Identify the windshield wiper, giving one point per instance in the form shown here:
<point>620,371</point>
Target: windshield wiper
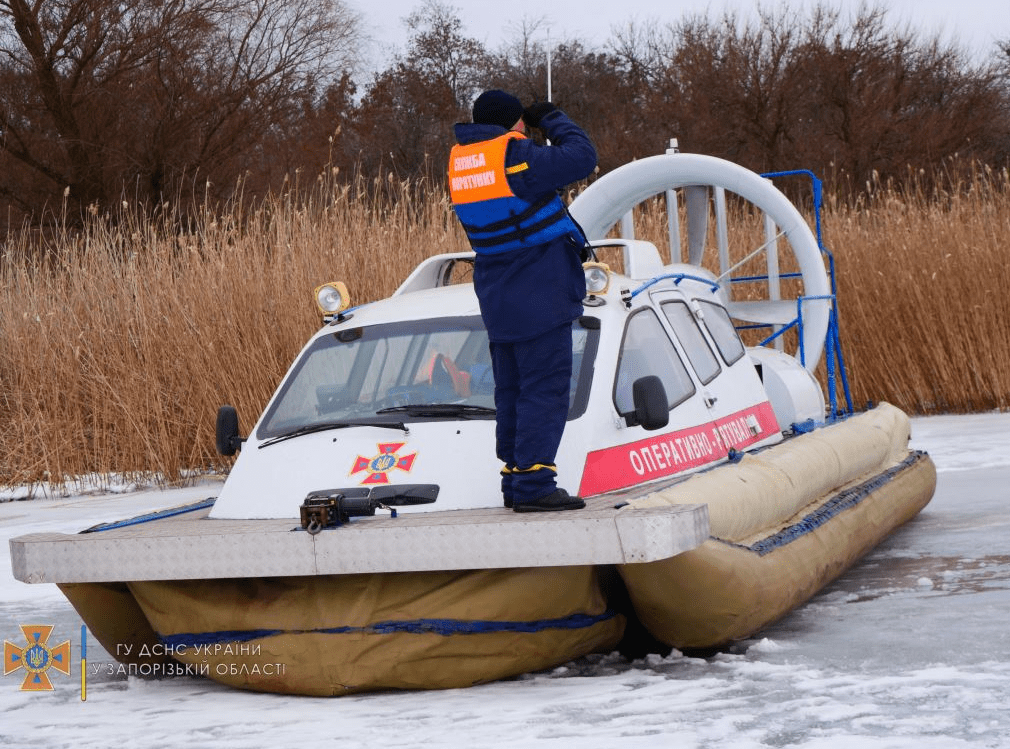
<point>312,428</point>
<point>461,410</point>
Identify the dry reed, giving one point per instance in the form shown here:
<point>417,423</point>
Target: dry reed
<point>922,285</point>
<point>119,342</point>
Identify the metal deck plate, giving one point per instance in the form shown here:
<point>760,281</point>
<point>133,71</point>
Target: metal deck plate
<point>195,547</point>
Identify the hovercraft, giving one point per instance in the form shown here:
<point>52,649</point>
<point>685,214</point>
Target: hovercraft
<point>359,541</point>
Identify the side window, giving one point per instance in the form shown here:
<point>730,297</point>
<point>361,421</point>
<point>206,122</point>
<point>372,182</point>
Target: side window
<point>723,333</point>
<point>647,350</point>
<point>683,322</point>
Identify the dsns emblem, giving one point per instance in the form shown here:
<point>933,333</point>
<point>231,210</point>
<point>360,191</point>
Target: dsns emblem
<point>379,466</point>
<point>36,657</point>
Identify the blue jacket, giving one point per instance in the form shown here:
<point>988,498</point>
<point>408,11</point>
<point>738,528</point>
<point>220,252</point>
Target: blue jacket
<point>526,292</point>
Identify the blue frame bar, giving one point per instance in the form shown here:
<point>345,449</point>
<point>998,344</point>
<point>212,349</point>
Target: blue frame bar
<point>678,277</point>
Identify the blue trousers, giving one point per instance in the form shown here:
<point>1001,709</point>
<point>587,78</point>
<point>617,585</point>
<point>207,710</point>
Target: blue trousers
<point>532,383</point>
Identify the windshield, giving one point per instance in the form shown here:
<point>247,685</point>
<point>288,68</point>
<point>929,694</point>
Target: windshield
<point>370,373</point>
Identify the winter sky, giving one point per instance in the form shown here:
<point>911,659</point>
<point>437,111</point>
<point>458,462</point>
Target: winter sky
<point>975,24</point>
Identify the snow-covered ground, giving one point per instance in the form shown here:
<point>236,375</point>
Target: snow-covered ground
<point>909,650</point>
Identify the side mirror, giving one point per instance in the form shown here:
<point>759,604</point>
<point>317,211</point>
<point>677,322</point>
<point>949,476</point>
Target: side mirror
<point>652,410</point>
<point>227,437</point>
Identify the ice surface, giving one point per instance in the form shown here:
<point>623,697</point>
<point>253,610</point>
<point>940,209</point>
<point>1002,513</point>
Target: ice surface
<point>909,650</point>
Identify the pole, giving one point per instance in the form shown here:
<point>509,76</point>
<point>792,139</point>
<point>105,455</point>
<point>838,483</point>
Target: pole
<point>549,63</point>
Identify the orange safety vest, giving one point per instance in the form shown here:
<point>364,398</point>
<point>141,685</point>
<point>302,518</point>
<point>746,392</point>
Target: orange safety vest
<point>477,170</point>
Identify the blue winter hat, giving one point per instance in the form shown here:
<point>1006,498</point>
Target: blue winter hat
<point>497,108</point>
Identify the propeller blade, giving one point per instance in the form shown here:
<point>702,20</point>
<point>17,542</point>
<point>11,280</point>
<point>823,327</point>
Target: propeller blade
<point>696,205</point>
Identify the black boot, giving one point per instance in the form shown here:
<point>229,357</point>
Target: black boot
<point>506,484</point>
<point>557,500</point>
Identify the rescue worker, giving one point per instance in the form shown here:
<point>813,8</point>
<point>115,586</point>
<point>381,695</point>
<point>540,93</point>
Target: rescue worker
<point>528,277</point>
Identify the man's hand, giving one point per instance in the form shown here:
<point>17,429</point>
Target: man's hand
<point>536,112</point>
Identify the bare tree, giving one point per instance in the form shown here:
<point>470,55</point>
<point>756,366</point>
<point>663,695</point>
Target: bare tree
<point>520,64</point>
<point>793,89</point>
<point>101,96</point>
<point>439,50</point>
<point>882,99</point>
<point>407,113</point>
<point>405,121</point>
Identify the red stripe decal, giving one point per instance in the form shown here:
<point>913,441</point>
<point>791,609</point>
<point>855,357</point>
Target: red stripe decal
<point>675,452</point>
